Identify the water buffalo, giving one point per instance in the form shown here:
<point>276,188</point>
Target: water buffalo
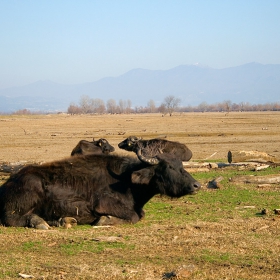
<point>83,189</point>
<point>95,147</point>
<point>156,146</point>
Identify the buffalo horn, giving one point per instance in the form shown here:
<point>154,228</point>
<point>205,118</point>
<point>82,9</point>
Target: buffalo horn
<point>133,139</point>
<point>150,160</point>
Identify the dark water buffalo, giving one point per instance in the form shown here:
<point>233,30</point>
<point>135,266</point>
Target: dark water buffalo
<point>156,146</point>
<point>87,188</point>
<point>95,147</point>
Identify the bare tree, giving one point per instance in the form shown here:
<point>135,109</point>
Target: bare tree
<point>203,106</point>
<point>99,106</point>
<point>151,106</point>
<point>86,104</point>
<point>128,106</point>
<point>227,106</point>
<point>122,106</point>
<point>162,109</point>
<point>111,106</point>
<point>74,109</point>
<point>171,103</point>
<point>125,106</point>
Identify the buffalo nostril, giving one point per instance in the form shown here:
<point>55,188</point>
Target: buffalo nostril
<point>197,185</point>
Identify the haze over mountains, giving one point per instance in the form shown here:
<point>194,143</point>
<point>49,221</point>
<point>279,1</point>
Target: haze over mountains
<point>193,84</point>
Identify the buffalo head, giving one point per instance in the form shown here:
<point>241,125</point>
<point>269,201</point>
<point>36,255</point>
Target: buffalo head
<point>167,174</point>
<point>130,143</point>
<point>100,146</point>
<point>104,145</point>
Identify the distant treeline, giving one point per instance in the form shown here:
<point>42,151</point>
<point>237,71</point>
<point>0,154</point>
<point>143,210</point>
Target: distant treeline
<point>228,106</point>
<point>170,105</point>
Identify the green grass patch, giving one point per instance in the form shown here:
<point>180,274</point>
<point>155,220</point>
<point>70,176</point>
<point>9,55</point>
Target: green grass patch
<point>32,246</point>
<point>215,257</point>
<point>231,201</point>
<point>74,248</point>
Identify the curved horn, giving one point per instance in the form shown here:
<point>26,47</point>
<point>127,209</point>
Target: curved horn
<point>150,160</point>
<point>134,139</point>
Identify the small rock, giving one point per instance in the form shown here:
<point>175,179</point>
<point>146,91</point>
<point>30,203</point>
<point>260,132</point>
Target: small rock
<point>215,183</point>
<point>213,165</point>
<point>25,276</point>
<point>183,272</point>
<point>108,239</point>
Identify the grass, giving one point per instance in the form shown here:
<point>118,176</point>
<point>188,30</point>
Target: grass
<point>212,234</point>
<point>32,246</point>
<point>212,231</point>
<point>74,248</point>
<point>231,201</point>
<point>219,232</point>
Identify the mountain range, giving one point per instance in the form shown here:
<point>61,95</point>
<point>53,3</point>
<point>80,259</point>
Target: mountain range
<point>253,82</point>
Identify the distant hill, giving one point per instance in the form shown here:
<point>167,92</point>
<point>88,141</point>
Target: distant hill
<point>253,82</point>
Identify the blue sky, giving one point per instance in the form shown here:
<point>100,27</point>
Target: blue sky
<point>73,42</point>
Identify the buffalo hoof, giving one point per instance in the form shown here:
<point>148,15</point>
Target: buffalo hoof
<point>68,222</point>
<point>43,226</point>
<point>110,221</point>
<point>38,223</point>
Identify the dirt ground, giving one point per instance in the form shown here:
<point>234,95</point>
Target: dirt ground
<point>50,137</point>
<point>178,239</point>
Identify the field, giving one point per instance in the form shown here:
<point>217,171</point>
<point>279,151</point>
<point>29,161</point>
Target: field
<point>215,234</point>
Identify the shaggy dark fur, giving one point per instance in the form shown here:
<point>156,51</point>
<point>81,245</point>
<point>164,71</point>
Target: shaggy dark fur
<point>88,187</point>
<point>85,147</point>
<point>156,146</point>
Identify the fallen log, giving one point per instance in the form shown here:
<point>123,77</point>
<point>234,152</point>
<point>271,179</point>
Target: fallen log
<point>250,179</point>
<point>253,156</point>
<point>193,164</point>
<point>13,167</point>
<point>199,169</point>
<point>261,167</point>
<point>211,165</point>
<point>264,186</point>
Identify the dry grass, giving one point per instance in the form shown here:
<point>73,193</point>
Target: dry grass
<point>211,235</point>
<point>45,138</point>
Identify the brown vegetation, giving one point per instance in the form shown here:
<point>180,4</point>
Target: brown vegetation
<point>48,137</point>
<point>211,235</point>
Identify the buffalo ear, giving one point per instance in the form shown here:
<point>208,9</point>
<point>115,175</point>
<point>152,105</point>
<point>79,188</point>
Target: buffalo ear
<point>142,176</point>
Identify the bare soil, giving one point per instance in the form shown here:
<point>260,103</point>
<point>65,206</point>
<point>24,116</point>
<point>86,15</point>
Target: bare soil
<point>179,246</point>
<point>50,137</point>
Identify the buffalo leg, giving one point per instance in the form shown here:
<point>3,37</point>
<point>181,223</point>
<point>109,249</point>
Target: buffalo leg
<point>37,222</point>
<point>66,222</point>
<point>112,207</point>
<point>30,220</point>
<point>110,221</point>
<point>68,213</point>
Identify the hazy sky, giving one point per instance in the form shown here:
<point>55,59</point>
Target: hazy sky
<point>81,41</point>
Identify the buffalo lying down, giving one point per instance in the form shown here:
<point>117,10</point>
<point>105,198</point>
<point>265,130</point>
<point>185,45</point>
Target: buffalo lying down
<point>100,146</point>
<point>88,187</point>
<point>156,146</point>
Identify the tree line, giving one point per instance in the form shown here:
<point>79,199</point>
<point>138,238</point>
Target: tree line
<point>169,105</point>
<point>89,105</point>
